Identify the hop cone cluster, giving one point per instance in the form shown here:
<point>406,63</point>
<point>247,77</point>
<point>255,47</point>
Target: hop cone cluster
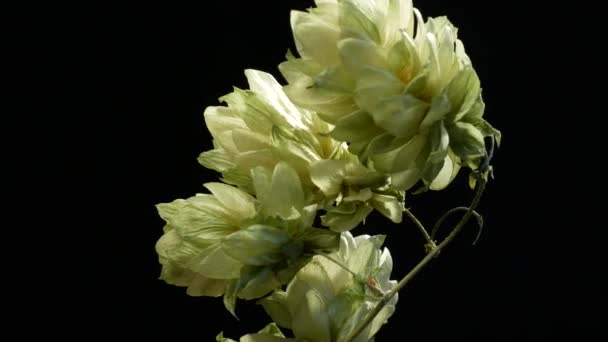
<point>378,101</point>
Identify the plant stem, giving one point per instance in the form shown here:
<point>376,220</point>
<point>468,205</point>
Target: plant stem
<point>429,241</point>
<point>480,187</point>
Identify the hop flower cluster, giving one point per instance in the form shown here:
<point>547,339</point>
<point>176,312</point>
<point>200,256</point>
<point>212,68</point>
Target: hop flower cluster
<point>377,101</point>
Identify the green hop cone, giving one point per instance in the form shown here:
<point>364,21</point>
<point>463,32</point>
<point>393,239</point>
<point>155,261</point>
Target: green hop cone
<point>233,244</point>
<point>260,127</point>
<point>354,191</point>
<point>405,98</point>
<point>325,303</point>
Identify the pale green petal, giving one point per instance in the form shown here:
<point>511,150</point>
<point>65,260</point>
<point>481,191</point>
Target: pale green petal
<point>240,178</point>
<point>340,222</point>
<point>463,92</point>
<point>445,175</point>
<point>341,308</point>
<point>287,146</point>
<point>294,68</point>
<point>285,192</point>
<point>172,250</point>
<point>262,183</point>
<point>389,206</point>
<point>355,24</point>
<point>214,262</point>
<point>310,278</point>
<point>328,175</point>
<point>252,159</point>
<point>373,85</point>
<point>256,281</point>
<point>362,176</point>
<point>220,338</point>
<point>357,126</point>
<point>401,158</point>
<point>221,119</point>
<point>462,55</point>
<point>400,115</point>
<point>329,105</point>
<point>238,202</point>
<point>405,180</point>
<point>466,141</point>
<point>358,195</point>
<point>353,322</point>
<point>272,329</point>
<point>403,59</point>
<point>366,254</point>
<point>386,267</point>
<point>357,54</point>
<point>276,307</point>
<point>263,338</point>
<point>339,278</point>
<point>399,17</point>
<point>216,159</point>
<point>310,319</point>
<point>307,216</point>
<point>257,245</point>
<point>476,111</point>
<point>487,130</point>
<point>225,141</point>
<point>439,140</point>
<point>266,86</point>
<point>420,28</point>
<point>230,297</point>
<point>381,319</point>
<point>315,38</point>
<point>337,79</point>
<point>200,219</point>
<point>174,274</point>
<point>321,239</point>
<point>254,111</point>
<point>204,286</point>
<point>247,140</point>
<point>169,211</point>
<point>440,107</point>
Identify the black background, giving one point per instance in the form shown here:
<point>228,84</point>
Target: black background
<point>140,75</point>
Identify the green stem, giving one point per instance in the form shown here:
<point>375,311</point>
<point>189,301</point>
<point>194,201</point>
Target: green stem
<point>429,241</point>
<point>421,264</point>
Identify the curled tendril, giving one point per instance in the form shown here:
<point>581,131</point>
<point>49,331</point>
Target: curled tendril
<point>484,168</point>
<point>477,216</point>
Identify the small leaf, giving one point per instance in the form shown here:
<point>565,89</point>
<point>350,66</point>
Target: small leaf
<point>258,245</point>
<point>230,297</point>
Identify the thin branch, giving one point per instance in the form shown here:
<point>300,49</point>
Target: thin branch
<point>478,217</point>
<point>370,317</point>
<point>429,241</point>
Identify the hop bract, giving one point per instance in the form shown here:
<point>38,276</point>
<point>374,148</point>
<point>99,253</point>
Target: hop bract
<point>401,91</point>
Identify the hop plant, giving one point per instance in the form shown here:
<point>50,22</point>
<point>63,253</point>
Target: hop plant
<point>401,91</point>
<point>377,101</point>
